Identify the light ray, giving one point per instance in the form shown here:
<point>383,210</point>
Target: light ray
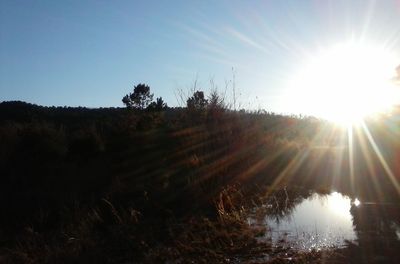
<point>246,40</point>
<point>382,160</point>
<point>351,155</point>
<point>369,161</point>
<point>302,156</point>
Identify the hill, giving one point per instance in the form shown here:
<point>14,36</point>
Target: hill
<point>116,184</point>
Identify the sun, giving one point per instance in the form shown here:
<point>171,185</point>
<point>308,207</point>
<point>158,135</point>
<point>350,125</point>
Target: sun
<point>345,83</point>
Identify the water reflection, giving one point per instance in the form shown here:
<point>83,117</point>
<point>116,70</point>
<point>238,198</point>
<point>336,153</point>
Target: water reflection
<point>377,226</point>
<point>315,222</point>
<point>359,231</point>
<point>377,220</point>
<point>305,220</point>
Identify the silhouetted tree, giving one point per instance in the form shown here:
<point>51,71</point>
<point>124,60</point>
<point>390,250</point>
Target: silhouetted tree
<point>215,101</point>
<point>140,98</point>
<point>216,106</point>
<point>197,101</point>
<point>158,105</point>
<point>126,100</point>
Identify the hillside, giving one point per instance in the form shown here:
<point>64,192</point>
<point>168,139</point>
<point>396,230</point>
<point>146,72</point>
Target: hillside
<point>117,184</point>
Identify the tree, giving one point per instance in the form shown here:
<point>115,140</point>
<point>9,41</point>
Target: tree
<point>216,106</point>
<point>215,101</point>
<point>158,105</point>
<point>197,101</point>
<point>140,98</point>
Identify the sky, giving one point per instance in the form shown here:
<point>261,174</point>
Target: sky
<point>91,53</point>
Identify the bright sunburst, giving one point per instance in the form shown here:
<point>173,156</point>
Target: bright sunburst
<point>345,83</point>
<point>339,204</point>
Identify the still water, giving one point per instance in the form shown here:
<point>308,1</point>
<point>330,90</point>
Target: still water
<point>316,222</point>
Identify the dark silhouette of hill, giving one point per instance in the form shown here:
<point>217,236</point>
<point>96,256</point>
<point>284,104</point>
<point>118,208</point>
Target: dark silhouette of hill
<point>118,183</point>
<point>25,112</point>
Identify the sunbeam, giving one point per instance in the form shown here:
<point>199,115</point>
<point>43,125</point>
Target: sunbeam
<point>351,155</point>
<point>382,160</point>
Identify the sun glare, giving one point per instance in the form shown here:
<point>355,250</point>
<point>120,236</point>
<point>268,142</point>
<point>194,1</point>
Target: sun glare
<point>339,204</point>
<point>345,83</point>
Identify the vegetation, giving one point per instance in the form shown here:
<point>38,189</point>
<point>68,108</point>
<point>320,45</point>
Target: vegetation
<point>151,184</point>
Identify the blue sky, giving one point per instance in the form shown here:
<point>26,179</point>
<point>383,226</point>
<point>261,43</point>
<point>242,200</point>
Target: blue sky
<point>91,53</point>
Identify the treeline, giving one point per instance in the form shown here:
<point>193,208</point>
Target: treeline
<point>114,179</point>
<point>53,154</point>
<point>61,164</point>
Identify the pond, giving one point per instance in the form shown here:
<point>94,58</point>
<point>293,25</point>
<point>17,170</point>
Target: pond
<point>307,220</point>
<point>315,222</point>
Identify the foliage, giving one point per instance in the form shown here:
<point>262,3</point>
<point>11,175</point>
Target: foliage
<point>140,98</point>
<point>197,101</point>
<point>110,185</point>
<point>215,101</point>
<point>158,105</point>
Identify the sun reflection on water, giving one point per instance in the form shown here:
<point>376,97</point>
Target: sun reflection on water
<point>319,221</point>
<point>339,204</point>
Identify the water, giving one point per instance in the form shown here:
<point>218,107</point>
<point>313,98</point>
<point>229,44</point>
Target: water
<point>316,222</point>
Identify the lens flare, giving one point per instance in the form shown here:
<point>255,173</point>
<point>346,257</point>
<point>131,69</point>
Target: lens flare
<point>345,83</point>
